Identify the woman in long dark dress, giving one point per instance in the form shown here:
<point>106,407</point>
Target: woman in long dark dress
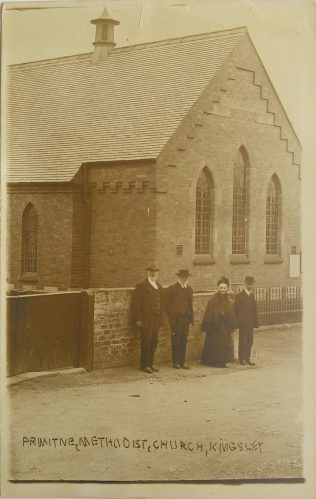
<point>218,323</point>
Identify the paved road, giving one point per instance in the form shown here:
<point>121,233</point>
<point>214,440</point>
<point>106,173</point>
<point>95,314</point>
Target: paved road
<point>203,424</point>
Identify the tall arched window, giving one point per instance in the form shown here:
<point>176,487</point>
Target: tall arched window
<point>240,204</point>
<point>203,213</point>
<point>29,239</point>
<point>273,217</point>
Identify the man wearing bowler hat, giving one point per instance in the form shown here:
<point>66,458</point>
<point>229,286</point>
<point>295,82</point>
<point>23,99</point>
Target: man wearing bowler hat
<point>247,318</point>
<point>179,308</point>
<point>147,308</point>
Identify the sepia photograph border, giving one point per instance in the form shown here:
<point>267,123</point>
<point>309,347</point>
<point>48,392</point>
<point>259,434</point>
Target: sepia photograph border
<point>259,488</point>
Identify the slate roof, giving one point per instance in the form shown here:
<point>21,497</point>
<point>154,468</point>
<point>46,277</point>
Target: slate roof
<point>67,111</point>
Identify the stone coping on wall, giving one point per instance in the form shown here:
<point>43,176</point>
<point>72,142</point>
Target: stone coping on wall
<point>19,290</point>
<point>196,293</point>
<point>58,289</point>
<point>34,294</point>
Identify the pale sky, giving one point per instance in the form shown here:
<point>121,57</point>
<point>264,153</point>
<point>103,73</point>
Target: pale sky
<point>282,31</point>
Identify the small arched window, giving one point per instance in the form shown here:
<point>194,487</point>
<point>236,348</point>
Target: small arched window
<point>240,203</point>
<point>29,239</point>
<point>273,217</point>
<point>203,213</point>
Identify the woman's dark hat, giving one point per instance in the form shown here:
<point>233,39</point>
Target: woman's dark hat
<point>153,267</point>
<point>183,273</point>
<point>223,280</point>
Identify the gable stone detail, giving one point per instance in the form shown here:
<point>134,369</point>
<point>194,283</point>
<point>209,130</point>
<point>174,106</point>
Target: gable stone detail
<point>226,102</point>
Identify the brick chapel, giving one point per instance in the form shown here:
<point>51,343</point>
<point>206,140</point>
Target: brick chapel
<point>177,151</point>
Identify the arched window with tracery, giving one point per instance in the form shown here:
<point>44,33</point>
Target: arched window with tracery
<point>29,239</point>
<point>273,209</point>
<point>240,203</point>
<point>203,213</point>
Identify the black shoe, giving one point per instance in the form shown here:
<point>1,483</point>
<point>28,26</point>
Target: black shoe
<point>148,370</point>
<point>250,363</point>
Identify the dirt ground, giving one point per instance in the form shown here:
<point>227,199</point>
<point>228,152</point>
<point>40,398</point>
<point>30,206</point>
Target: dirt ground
<point>203,424</point>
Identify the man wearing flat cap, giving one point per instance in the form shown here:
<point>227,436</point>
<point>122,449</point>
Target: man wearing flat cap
<point>147,309</point>
<point>247,318</point>
<point>179,308</point>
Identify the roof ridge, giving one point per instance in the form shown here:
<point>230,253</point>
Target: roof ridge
<point>63,58</point>
<point>138,46</point>
<point>182,39</point>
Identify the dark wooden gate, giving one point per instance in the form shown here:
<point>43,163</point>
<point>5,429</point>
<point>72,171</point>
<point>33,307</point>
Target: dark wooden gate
<point>49,331</point>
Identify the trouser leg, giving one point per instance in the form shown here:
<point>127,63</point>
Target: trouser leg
<point>175,344</point>
<point>154,339</point>
<point>242,345</point>
<point>249,343</point>
<point>183,343</point>
<point>145,355</point>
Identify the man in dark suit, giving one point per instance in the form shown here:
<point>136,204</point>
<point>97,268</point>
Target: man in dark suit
<point>179,308</point>
<point>147,308</point>
<point>247,319</point>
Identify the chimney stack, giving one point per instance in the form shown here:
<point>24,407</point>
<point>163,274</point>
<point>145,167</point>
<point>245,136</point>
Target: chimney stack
<point>104,36</point>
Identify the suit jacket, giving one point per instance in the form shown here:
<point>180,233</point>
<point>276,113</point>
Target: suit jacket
<point>143,303</point>
<point>246,310</point>
<point>177,308</point>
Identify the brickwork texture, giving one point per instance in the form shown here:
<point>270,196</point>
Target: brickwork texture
<point>130,213</point>
<point>117,341</point>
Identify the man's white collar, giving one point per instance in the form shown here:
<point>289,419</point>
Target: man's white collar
<point>183,285</point>
<point>153,282</point>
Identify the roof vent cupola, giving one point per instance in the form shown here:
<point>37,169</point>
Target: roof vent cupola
<point>104,36</point>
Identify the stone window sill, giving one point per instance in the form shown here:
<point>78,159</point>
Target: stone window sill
<point>203,260</point>
<point>272,259</point>
<point>29,277</point>
<point>237,259</point>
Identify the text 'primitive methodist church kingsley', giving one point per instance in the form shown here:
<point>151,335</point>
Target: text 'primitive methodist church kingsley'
<point>177,151</point>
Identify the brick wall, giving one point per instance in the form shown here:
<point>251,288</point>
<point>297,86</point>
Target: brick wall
<point>116,341</point>
<point>80,241</point>
<point>123,217</point>
<point>238,109</point>
<point>141,210</point>
<point>54,245</point>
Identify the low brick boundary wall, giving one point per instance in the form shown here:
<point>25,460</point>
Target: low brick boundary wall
<point>117,342</point>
